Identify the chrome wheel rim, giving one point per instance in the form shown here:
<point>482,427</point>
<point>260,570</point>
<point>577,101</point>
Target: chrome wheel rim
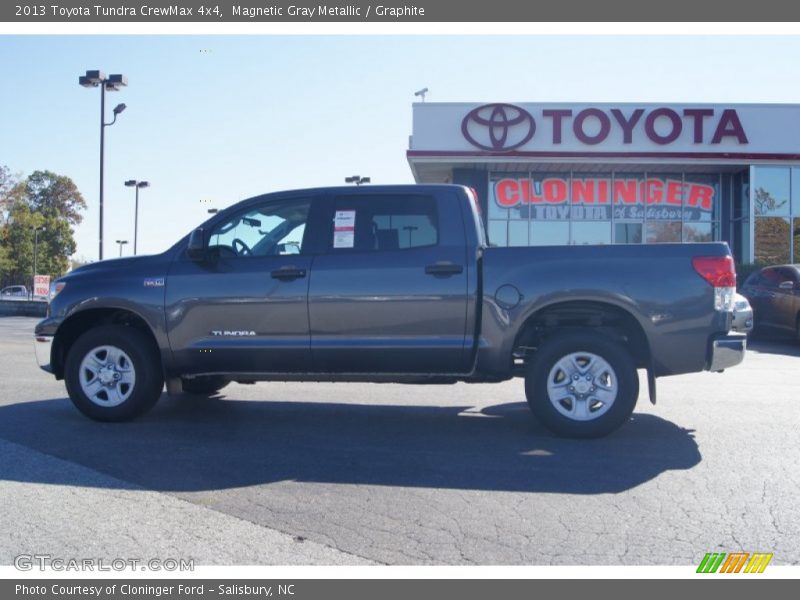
<point>582,386</point>
<point>107,376</point>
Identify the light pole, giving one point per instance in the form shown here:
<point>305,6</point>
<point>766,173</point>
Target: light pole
<point>121,244</point>
<point>36,231</point>
<point>357,179</point>
<point>136,184</point>
<point>111,83</point>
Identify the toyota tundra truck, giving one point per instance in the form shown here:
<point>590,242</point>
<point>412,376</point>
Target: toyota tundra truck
<point>389,284</point>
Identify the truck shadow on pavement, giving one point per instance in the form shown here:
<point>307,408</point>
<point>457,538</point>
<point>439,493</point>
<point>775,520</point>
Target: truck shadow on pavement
<point>763,345</point>
<point>197,444</point>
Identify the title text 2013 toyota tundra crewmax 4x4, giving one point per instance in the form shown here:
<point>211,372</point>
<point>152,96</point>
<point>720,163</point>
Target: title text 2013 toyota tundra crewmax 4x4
<point>389,283</point>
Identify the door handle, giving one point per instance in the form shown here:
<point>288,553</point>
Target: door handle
<point>443,269</point>
<point>288,273</point>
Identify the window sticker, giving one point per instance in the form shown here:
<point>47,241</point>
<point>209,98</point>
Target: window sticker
<point>344,226</point>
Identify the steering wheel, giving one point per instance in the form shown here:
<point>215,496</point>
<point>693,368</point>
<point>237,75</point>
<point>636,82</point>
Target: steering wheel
<point>242,249</point>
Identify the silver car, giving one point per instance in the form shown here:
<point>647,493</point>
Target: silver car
<point>14,292</point>
<point>742,314</point>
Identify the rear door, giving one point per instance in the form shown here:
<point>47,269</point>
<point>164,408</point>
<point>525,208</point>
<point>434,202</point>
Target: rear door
<point>390,293</point>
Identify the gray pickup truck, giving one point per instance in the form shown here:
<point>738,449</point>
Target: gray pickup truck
<point>388,284</point>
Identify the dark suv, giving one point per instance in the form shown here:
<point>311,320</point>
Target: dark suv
<point>774,293</point>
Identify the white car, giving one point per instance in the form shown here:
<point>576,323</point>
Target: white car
<point>742,314</point>
<point>14,292</point>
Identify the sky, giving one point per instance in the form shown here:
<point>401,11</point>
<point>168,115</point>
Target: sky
<point>211,120</point>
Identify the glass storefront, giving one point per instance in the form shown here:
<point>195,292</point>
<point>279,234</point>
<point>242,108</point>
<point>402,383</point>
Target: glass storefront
<point>776,209</point>
<point>535,209</point>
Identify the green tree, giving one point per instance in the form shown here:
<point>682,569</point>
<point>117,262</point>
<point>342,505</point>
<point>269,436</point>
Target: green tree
<point>7,183</point>
<point>19,243</point>
<point>6,264</point>
<point>47,200</point>
<point>52,194</point>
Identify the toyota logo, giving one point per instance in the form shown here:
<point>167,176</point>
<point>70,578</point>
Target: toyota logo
<point>498,127</point>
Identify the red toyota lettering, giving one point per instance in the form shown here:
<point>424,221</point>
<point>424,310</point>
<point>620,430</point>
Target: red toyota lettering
<point>729,126</point>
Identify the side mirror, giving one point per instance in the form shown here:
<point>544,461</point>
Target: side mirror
<point>196,249</point>
<point>786,285</point>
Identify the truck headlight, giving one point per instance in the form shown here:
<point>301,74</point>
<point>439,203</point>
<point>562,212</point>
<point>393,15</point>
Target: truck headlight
<point>56,289</point>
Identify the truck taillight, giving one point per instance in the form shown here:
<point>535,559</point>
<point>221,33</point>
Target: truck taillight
<point>719,272</point>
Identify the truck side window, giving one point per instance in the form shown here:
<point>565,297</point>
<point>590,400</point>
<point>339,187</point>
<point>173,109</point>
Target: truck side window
<point>788,274</point>
<point>384,222</point>
<point>271,229</point>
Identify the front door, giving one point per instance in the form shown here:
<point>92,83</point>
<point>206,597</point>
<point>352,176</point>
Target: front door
<point>244,307</point>
<point>786,299</point>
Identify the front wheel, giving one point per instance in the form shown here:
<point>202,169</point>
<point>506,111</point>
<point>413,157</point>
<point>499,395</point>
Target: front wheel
<point>113,373</point>
<point>582,385</point>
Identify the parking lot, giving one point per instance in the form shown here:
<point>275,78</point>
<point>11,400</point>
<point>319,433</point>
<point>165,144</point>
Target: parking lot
<point>390,474</point>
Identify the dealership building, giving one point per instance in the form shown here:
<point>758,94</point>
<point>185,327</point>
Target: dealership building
<point>558,174</point>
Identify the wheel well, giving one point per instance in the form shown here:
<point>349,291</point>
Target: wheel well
<point>79,323</point>
<point>608,319</point>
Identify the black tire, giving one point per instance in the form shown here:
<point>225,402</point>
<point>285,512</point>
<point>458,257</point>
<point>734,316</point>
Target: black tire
<point>143,354</point>
<point>550,353</point>
<point>205,385</point>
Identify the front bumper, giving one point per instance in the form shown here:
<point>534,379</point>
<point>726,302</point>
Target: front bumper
<point>726,351</point>
<point>43,345</point>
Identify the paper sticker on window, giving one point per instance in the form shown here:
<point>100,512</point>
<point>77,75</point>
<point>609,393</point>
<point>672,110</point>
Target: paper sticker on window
<point>344,225</point>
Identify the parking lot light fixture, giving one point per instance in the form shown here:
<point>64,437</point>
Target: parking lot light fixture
<point>121,244</point>
<point>357,179</point>
<point>137,185</point>
<point>110,83</point>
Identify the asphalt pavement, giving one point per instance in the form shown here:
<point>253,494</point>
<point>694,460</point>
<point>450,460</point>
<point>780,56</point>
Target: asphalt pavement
<point>291,473</point>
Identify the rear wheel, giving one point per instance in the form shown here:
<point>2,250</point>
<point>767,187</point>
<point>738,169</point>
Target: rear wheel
<point>582,385</point>
<point>113,373</point>
<point>204,385</point>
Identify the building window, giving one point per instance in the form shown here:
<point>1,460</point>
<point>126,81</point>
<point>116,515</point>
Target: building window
<point>549,233</point>
<point>776,207</point>
<point>594,208</point>
<point>628,233</point>
<point>772,240</point>
<point>663,232</point>
<point>698,232</point>
<point>591,232</point>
